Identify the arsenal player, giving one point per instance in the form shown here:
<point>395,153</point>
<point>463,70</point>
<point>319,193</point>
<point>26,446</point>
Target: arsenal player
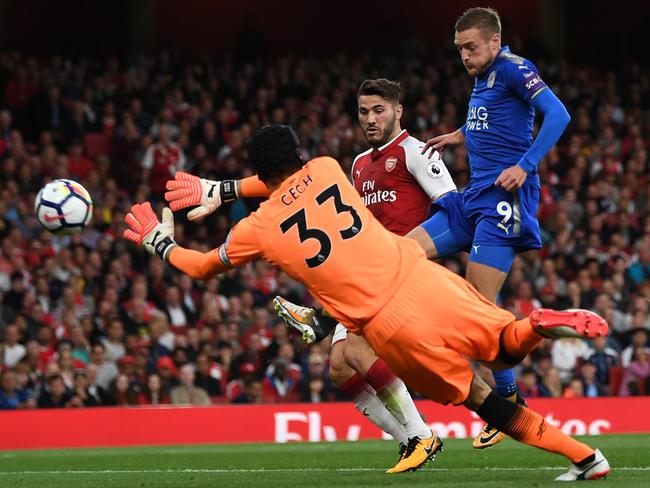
<point>397,183</point>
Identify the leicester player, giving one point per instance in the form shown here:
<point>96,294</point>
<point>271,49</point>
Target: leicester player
<point>421,318</point>
<point>495,216</point>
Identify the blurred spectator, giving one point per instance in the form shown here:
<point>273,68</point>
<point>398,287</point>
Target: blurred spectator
<point>94,389</point>
<point>279,383</point>
<point>54,394</point>
<point>114,340</point>
<point>178,314</point>
<point>80,344</point>
<point>11,396</point>
<point>67,364</point>
<point>280,334</point>
<point>639,339</point>
<point>636,380</point>
<point>315,386</point>
<point>162,160</point>
<point>79,165</point>
<point>252,393</point>
<point>83,396</point>
<point>208,377</point>
<point>121,391</point>
<point>14,297</point>
<point>161,339</point>
<point>288,353</point>
<point>236,386</point>
<point>591,385</point>
<point>603,357</point>
<point>14,351</point>
<point>259,327</point>
<point>106,370</point>
<point>152,393</point>
<point>126,365</point>
<point>574,389</point>
<point>551,383</point>
<point>566,353</point>
<point>525,303</point>
<point>527,384</point>
<point>640,268</point>
<point>51,114</point>
<point>168,375</point>
<point>187,393</point>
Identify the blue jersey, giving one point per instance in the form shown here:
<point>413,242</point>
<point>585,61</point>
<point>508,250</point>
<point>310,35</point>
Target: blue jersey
<point>499,127</point>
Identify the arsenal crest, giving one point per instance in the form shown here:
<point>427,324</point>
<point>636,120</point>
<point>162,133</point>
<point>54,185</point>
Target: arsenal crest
<point>391,163</point>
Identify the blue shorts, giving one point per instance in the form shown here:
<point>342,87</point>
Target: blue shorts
<point>489,222</point>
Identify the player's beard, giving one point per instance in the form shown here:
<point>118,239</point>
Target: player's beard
<point>386,134</point>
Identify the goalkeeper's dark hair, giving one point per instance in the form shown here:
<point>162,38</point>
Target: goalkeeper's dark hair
<point>386,89</point>
<point>485,19</point>
<point>273,151</point>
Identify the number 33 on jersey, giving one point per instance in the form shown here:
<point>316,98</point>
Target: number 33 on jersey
<point>313,226</point>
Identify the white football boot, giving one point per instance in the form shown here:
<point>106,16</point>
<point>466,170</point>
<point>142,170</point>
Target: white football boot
<point>595,470</point>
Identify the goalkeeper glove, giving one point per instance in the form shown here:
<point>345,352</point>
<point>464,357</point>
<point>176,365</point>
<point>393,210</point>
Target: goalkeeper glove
<point>144,229</point>
<point>187,190</point>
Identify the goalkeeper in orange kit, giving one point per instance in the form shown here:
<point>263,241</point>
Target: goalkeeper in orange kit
<point>316,228</point>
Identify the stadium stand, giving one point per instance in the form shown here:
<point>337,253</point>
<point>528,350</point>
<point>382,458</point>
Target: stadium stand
<point>81,326</point>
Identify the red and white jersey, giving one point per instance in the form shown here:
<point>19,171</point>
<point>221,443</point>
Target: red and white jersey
<point>398,183</point>
<point>163,160</point>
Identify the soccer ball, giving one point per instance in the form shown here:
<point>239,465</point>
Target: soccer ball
<point>63,207</point>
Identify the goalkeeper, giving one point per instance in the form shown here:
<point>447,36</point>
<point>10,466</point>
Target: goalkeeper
<point>315,227</point>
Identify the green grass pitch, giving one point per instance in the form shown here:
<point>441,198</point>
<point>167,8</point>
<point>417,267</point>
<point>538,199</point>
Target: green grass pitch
<point>358,464</point>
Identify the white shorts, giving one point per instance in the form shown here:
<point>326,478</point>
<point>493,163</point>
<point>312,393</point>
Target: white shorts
<point>340,334</point>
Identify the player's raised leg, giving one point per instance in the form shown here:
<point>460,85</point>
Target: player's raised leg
<point>523,424</point>
<point>529,427</point>
<point>435,236</point>
<point>419,352</point>
<point>361,393</point>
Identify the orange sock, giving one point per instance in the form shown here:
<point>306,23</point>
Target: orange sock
<point>530,428</point>
<point>519,338</point>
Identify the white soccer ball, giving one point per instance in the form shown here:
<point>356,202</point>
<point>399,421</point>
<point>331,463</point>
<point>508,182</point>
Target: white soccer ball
<point>63,207</point>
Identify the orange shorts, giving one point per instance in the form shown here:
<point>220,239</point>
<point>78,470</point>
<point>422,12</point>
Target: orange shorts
<point>432,327</point>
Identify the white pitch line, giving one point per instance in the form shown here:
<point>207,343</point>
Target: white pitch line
<point>294,470</point>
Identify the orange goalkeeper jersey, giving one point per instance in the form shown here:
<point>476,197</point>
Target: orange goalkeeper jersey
<point>316,228</point>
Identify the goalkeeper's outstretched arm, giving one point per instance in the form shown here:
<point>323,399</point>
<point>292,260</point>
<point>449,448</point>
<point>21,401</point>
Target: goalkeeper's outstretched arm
<point>187,190</point>
<point>157,238</point>
<point>198,265</point>
<point>251,186</point>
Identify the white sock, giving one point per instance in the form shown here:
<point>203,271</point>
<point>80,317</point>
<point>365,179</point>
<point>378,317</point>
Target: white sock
<point>398,402</point>
<point>372,407</point>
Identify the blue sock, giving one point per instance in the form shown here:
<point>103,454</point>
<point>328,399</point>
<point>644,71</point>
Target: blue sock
<point>505,380</point>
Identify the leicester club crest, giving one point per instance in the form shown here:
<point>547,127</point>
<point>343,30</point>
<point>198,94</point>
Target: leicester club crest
<point>490,81</point>
<point>391,163</point>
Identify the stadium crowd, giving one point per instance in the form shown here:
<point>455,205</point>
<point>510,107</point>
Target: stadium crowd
<point>89,320</point>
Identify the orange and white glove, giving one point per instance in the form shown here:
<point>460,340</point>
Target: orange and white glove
<point>144,229</point>
<point>187,190</point>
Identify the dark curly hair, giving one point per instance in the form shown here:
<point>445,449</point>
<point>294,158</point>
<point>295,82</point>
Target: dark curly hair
<point>272,150</point>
